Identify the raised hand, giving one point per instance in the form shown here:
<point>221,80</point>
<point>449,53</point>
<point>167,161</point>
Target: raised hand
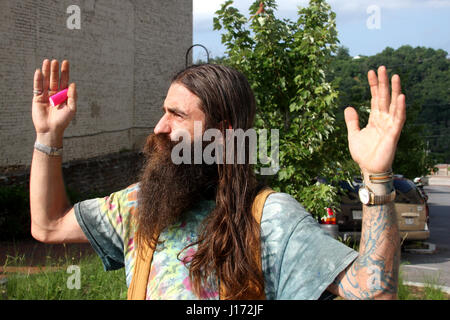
<point>50,120</point>
<point>374,147</point>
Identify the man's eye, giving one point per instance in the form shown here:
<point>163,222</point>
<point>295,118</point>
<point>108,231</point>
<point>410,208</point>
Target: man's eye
<point>176,114</point>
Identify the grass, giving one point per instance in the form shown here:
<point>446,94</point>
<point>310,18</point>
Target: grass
<point>95,283</point>
<point>430,290</point>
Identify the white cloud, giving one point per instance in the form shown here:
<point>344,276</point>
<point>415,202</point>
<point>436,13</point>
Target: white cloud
<point>349,13</point>
<point>205,9</point>
<point>353,6</point>
<point>346,10</point>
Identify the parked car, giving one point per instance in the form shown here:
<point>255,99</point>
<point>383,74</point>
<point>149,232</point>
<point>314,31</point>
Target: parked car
<point>420,184</point>
<point>410,206</point>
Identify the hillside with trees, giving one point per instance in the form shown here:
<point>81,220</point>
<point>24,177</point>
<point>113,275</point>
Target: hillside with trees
<point>425,76</point>
<point>303,81</point>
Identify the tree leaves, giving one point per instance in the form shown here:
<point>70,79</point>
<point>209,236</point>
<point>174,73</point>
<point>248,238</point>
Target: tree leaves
<point>285,63</point>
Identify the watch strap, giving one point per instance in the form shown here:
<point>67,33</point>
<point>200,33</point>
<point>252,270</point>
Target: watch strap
<point>50,151</point>
<point>382,199</point>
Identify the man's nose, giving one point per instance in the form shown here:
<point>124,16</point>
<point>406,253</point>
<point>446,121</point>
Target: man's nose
<point>163,126</point>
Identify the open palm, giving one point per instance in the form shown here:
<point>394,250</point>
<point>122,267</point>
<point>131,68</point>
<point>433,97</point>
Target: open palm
<point>373,147</point>
<point>46,118</point>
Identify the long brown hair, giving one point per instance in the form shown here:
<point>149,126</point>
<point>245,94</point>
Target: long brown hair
<point>230,232</point>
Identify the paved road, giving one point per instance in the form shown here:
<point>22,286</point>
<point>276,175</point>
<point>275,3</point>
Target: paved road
<point>435,267</point>
<point>438,180</point>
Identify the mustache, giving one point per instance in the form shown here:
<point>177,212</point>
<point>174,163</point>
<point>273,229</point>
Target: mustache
<point>160,146</point>
<point>158,143</point>
<point>158,164</point>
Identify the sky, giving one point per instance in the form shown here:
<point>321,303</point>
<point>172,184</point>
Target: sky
<point>365,27</point>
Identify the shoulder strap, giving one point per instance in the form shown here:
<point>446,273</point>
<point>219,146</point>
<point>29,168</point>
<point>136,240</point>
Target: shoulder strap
<point>144,255</point>
<point>143,261</point>
<point>258,203</point>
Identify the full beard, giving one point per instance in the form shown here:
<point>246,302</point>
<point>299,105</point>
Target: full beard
<point>167,190</point>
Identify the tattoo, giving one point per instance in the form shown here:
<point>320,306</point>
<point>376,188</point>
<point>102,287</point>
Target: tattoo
<point>375,272</point>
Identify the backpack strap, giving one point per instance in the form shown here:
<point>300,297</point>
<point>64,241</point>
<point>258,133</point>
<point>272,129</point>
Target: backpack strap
<point>144,256</point>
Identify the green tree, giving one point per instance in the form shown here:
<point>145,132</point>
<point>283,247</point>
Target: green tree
<point>285,63</point>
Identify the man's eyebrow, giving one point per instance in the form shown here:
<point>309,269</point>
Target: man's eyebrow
<point>174,110</point>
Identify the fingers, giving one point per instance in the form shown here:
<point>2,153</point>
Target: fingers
<point>373,83</point>
<point>379,89</point>
<point>64,82</point>
<point>54,77</point>
<point>384,99</point>
<point>49,82</point>
<point>38,87</point>
<point>396,91</point>
<point>398,114</point>
<point>72,97</point>
<point>351,120</point>
<point>37,81</point>
<point>396,87</point>
<point>400,110</point>
<point>46,73</point>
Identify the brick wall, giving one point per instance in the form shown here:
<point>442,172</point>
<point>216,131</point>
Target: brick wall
<point>84,179</point>
<point>121,59</point>
<point>100,175</point>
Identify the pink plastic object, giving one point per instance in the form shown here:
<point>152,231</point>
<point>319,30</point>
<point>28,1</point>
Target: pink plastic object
<point>59,98</point>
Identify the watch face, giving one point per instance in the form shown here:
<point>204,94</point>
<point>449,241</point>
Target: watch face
<point>364,195</point>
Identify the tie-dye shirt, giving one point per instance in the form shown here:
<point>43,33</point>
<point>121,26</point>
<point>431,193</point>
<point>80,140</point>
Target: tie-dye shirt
<point>299,259</point>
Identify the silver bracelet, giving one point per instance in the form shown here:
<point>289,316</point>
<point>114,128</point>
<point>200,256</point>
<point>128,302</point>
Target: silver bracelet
<point>50,151</point>
<point>381,177</point>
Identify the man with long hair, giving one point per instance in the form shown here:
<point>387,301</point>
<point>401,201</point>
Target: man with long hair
<point>197,217</point>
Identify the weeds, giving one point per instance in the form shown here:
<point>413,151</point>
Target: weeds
<point>430,290</point>
<point>96,284</point>
<point>52,283</point>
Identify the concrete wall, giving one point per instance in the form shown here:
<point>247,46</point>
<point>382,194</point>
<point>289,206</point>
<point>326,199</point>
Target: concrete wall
<point>122,59</point>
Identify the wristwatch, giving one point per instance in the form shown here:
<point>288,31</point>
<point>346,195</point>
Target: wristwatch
<point>368,197</point>
<point>51,151</point>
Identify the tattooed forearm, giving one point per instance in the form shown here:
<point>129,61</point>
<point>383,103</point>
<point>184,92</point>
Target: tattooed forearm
<point>374,274</point>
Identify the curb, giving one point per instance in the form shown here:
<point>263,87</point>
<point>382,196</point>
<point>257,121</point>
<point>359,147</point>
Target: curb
<point>422,285</point>
<point>430,250</point>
